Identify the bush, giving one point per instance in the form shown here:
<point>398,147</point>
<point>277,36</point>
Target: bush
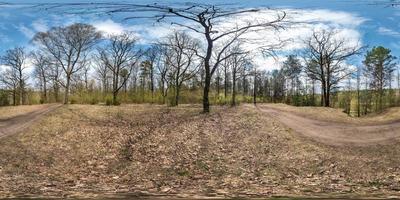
<point>94,101</point>
<point>4,98</point>
<point>73,101</point>
<point>109,101</point>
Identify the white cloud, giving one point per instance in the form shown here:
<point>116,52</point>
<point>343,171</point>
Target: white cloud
<point>109,27</point>
<point>388,31</point>
<point>40,25</point>
<point>395,45</point>
<point>268,63</point>
<point>28,32</point>
<point>305,22</point>
<point>4,39</point>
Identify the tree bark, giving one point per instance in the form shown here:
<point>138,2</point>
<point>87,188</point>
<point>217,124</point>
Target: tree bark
<point>206,103</point>
<point>233,101</point>
<point>66,95</point>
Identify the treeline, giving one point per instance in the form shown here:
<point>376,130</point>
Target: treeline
<point>78,64</point>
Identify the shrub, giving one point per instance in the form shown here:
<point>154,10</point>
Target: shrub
<point>109,101</point>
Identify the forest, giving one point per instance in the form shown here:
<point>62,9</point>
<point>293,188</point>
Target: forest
<point>79,64</point>
<point>190,100</point>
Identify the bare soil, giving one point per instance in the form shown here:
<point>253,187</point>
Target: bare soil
<point>16,121</point>
<point>366,131</point>
<point>247,151</point>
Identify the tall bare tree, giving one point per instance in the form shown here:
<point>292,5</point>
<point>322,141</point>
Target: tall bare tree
<point>120,56</point>
<point>152,55</point>
<point>163,71</point>
<point>102,74</point>
<point>207,20</point>
<point>180,57</point>
<point>326,54</point>
<point>69,46</point>
<point>10,82</point>
<point>237,62</point>
<point>41,72</point>
<point>15,59</point>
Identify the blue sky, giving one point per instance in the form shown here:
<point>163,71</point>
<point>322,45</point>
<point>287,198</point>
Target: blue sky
<point>362,20</point>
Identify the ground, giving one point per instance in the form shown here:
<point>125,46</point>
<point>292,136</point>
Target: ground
<point>247,151</point>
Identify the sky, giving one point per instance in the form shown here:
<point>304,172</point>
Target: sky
<point>361,22</point>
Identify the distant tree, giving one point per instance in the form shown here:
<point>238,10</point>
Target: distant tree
<point>69,46</point>
<point>151,55</point>
<point>255,74</point>
<point>225,66</point>
<point>358,77</point>
<point>398,84</point>
<point>16,76</point>
<point>278,85</point>
<point>119,54</point>
<point>292,69</point>
<point>181,59</point>
<point>41,72</point>
<point>206,20</point>
<point>379,65</point>
<point>326,55</point>
<point>9,80</point>
<point>102,74</point>
<point>237,63</point>
<point>163,71</point>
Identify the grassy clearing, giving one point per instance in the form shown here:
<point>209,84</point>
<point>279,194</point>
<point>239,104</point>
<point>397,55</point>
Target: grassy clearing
<point>83,150</point>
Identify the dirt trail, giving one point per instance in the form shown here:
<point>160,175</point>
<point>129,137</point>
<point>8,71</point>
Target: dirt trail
<point>336,133</point>
<point>18,123</point>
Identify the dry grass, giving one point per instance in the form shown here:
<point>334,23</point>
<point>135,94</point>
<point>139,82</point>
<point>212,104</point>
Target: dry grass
<point>83,150</point>
<point>13,111</point>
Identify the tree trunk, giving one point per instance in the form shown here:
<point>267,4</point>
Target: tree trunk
<point>323,93</point>
<point>56,91</point>
<point>233,101</point>
<point>225,83</point>
<point>44,90</point>
<point>327,97</point>
<point>14,96</point>
<point>206,103</point>
<point>115,95</point>
<point>152,83</point>
<point>21,93</point>
<point>218,79</point>
<point>358,99</point>
<point>66,95</point>
<point>177,90</point>
<point>255,89</point>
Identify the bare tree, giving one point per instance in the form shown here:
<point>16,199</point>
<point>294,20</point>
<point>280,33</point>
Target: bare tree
<point>119,55</point>
<point>15,59</point>
<point>206,20</point>
<point>180,57</point>
<point>69,47</point>
<point>237,62</point>
<point>9,80</point>
<point>152,55</point>
<point>326,54</point>
<point>102,74</point>
<point>163,71</point>
<point>42,65</point>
